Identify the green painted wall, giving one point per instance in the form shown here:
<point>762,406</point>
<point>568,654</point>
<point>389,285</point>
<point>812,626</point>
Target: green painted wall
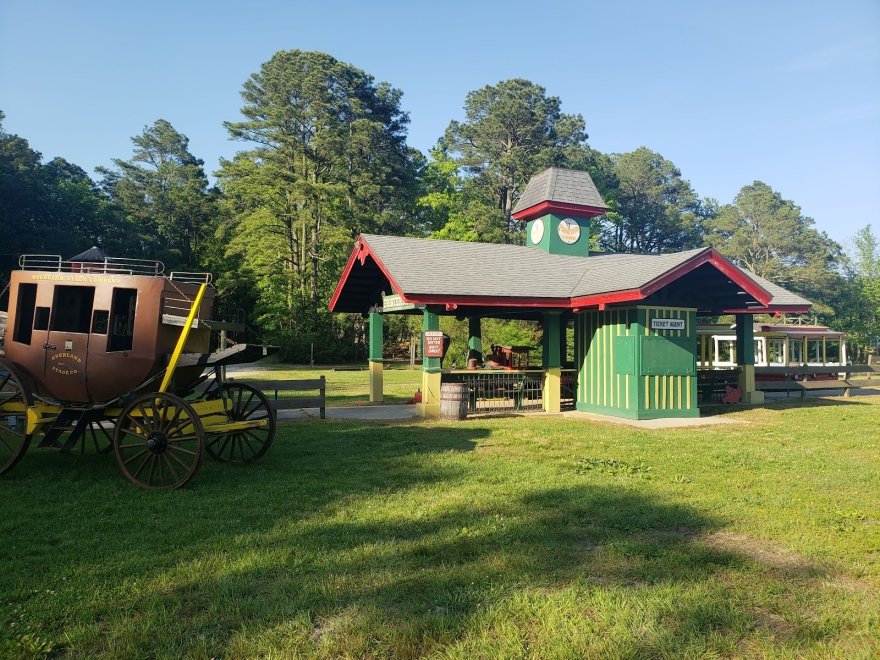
<point>551,241</point>
<point>628,369</point>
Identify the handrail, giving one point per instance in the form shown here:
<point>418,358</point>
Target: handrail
<point>111,265</point>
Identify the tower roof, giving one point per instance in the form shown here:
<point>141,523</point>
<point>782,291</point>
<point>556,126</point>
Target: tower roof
<point>570,190</point>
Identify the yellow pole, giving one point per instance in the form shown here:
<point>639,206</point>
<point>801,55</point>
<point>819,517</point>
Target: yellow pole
<point>184,334</point>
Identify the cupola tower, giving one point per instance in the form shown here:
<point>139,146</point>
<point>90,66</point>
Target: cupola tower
<point>557,206</point>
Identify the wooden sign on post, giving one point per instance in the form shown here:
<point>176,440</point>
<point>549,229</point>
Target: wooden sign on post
<point>433,344</point>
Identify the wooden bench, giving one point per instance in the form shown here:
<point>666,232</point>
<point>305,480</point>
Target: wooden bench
<point>794,378</point>
<point>276,386</point>
<point>804,386</point>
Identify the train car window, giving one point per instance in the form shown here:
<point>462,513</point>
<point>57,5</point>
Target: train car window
<point>24,313</point>
<point>100,321</point>
<point>41,319</point>
<point>72,309</point>
<point>122,320</point>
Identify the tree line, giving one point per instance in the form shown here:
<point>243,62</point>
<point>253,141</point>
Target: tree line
<point>324,157</point>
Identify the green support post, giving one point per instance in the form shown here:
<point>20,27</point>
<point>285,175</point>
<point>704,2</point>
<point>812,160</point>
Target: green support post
<point>552,362</point>
<point>377,394</point>
<point>745,358</point>
<point>475,342</point>
<point>430,405</point>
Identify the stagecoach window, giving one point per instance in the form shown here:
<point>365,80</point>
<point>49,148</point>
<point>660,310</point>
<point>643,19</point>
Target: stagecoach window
<point>41,319</point>
<point>24,313</point>
<point>122,320</point>
<point>72,308</point>
<point>99,322</point>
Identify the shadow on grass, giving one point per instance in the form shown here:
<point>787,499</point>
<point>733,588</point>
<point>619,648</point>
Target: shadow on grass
<point>333,545</point>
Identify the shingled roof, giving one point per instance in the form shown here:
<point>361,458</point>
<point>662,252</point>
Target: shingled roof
<point>562,186</point>
<point>459,273</point>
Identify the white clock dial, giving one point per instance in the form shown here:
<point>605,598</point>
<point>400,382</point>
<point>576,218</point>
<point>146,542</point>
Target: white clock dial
<point>569,231</point>
<point>537,231</point>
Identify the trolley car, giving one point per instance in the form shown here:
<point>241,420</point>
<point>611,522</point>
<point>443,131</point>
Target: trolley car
<point>113,354</point>
<point>775,346</point>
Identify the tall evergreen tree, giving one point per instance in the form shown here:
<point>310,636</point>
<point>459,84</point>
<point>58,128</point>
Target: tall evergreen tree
<point>511,131</point>
<point>164,193</point>
<point>52,208</point>
<point>327,160</point>
<point>654,208</point>
<point>771,237</point>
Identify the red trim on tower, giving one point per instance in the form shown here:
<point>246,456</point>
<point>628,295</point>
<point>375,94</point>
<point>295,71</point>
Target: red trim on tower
<point>360,253</point>
<point>562,208</point>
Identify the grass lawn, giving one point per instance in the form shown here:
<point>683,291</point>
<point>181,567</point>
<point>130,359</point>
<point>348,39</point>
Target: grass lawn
<point>496,538</point>
<point>346,387</point>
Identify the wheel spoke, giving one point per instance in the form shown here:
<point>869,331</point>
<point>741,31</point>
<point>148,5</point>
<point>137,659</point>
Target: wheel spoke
<point>143,422</point>
<point>173,421</point>
<point>182,438</point>
<point>248,441</point>
<point>171,470</point>
<point>140,453</point>
<point>250,433</point>
<point>11,450</point>
<point>182,450</point>
<point>141,466</point>
<point>179,462</point>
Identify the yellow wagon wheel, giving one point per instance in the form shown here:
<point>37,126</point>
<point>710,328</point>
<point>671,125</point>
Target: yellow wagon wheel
<point>243,404</point>
<point>14,403</point>
<point>158,441</point>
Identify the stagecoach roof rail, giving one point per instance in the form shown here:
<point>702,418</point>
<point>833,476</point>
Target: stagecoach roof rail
<point>111,265</point>
<point>190,278</point>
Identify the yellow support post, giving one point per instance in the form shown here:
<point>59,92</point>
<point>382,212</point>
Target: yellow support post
<point>184,334</point>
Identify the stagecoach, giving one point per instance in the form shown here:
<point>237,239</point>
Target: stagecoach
<point>109,354</point>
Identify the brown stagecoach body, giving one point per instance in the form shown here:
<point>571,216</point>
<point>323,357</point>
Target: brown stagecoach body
<point>89,333</point>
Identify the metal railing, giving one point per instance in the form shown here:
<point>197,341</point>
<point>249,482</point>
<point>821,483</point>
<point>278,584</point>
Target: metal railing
<point>502,391</point>
<point>190,278</point>
<point>52,263</point>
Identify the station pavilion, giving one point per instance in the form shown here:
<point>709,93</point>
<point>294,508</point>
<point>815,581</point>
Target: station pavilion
<point>634,315</point>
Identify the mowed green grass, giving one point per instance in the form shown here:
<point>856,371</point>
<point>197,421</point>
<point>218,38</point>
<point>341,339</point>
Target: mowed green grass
<point>345,387</point>
<point>497,538</point>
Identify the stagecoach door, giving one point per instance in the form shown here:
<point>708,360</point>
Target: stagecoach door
<point>67,341</point>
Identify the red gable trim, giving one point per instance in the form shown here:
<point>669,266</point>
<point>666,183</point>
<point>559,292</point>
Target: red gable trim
<point>561,208</point>
<point>359,254</point>
<point>711,256</point>
<point>487,301</point>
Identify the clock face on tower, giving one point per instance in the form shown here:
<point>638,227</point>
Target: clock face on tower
<point>537,232</point>
<point>569,231</point>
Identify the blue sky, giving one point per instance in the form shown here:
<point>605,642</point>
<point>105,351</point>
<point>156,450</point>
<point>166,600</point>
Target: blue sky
<point>731,92</point>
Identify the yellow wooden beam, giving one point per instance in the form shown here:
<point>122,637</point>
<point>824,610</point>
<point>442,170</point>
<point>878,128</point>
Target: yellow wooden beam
<point>184,334</point>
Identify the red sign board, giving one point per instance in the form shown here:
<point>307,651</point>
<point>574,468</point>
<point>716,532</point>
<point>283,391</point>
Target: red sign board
<point>433,344</point>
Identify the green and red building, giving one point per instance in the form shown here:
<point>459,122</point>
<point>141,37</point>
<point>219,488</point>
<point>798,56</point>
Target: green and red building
<point>634,316</point>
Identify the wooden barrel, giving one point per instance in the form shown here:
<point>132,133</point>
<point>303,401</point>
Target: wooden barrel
<point>453,400</point>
